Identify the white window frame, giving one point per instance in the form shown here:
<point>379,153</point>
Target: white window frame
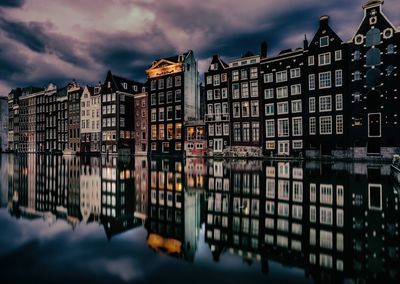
<point>339,102</point>
<point>281,76</point>
<point>282,92</point>
<point>323,38</point>
<point>311,60</point>
<point>339,121</point>
<point>297,106</point>
<point>288,129</point>
<point>270,122</point>
<point>328,102</point>
<point>339,78</point>
<point>295,73</point>
<point>268,106</point>
<point>338,55</point>
<point>311,82</point>
<point>297,119</point>
<point>295,90</point>
<point>311,105</point>
<point>323,83</point>
<point>269,78</point>
<point>324,59</point>
<point>320,125</point>
<point>280,105</point>
<point>312,122</point>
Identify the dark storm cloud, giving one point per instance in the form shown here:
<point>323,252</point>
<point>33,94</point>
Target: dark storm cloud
<point>11,3</point>
<point>38,37</point>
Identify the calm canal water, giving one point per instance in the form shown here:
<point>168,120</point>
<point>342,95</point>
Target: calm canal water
<point>137,220</point>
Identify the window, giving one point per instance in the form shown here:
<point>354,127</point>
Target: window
<point>161,114</point>
<point>255,131</point>
<point>297,125</point>
<point>283,127</point>
<point>224,77</point>
<point>282,92</point>
<point>357,76</point>
<point>312,126</point>
<point>161,98</point>
<point>326,216</point>
<point>270,145</point>
<point>153,115</point>
<point>169,97</point>
<point>311,82</point>
<point>283,108</point>
<point>235,91</point>
<point>326,194</point>
<point>209,80</point>
<point>209,95</point>
<point>338,78</point>
<point>269,109</point>
<point>236,132</point>
<point>296,106</point>
<point>255,110</point>
<point>161,83</point>
<point>178,112</point>
<point>311,104</point>
<point>178,81</point>
<point>178,131</point>
<point>295,73</point>
<point>245,109</point>
<point>243,74</point>
<point>235,75</point>
<point>246,132</point>
<point>295,90</point>
<point>356,55</point>
<point>311,60</point>
<point>325,103</point>
<point>373,37</point>
<point>324,80</point>
<point>281,76</point>
<point>268,78</point>
<point>373,57</point>
<point>297,144</point>
<point>154,132</point>
<point>253,73</point>
<point>269,94</point>
<point>390,49</point>
<point>254,89</point>
<point>224,107</point>
<point>178,95</point>
<point>153,85</point>
<point>338,55</point>
<point>170,131</point>
<point>324,59</point>
<point>161,132</point>
<point>211,130</point>
<point>324,41</point>
<point>224,93</point>
<point>153,99</point>
<point>339,102</point>
<point>217,94</point>
<point>169,82</point>
<point>169,113</point>
<point>217,80</point>
<point>270,128</point>
<point>325,125</point>
<point>339,124</point>
<point>236,109</point>
<point>245,90</point>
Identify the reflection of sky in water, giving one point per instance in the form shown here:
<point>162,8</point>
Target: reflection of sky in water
<point>33,251</point>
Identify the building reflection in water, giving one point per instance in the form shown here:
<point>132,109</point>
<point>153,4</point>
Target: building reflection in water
<point>335,221</point>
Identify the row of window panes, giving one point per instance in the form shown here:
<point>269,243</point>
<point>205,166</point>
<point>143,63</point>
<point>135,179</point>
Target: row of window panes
<point>247,109</point>
<point>170,132</point>
<point>168,99</point>
<point>243,133</point>
<point>325,125</point>
<point>283,108</point>
<point>283,127</point>
<point>324,58</point>
<point>282,92</point>
<point>244,74</point>
<point>168,81</point>
<point>161,114</point>
<point>242,90</point>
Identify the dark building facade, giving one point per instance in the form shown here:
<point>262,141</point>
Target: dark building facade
<point>141,123</point>
<point>118,119</point>
<point>173,85</point>
<point>283,96</point>
<point>74,118</point>
<point>51,118</point>
<point>326,104</point>
<point>375,103</point>
<point>217,114</point>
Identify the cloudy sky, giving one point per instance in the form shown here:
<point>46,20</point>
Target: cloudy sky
<point>45,41</point>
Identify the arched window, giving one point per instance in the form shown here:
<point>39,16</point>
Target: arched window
<point>357,76</point>
<point>390,49</point>
<point>373,77</point>
<point>389,70</point>
<point>373,37</point>
<point>373,57</point>
<point>357,55</point>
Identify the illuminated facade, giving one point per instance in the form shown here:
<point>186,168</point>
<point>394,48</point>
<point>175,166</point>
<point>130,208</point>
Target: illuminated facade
<point>174,98</point>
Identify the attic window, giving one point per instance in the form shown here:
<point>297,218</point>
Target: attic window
<point>324,41</point>
<point>135,88</point>
<point>108,84</point>
<point>180,58</point>
<point>125,85</point>
<point>388,33</point>
<point>373,20</point>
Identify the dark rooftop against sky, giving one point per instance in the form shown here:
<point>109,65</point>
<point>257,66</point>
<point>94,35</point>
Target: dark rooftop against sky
<point>45,41</point>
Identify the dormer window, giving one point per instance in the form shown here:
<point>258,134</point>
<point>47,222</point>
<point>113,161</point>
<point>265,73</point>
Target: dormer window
<point>135,88</point>
<point>324,41</point>
<point>108,84</point>
<point>125,85</point>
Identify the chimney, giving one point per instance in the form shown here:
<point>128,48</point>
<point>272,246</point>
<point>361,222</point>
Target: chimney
<point>305,42</point>
<point>264,49</point>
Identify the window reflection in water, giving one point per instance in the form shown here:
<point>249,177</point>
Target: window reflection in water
<point>334,221</point>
